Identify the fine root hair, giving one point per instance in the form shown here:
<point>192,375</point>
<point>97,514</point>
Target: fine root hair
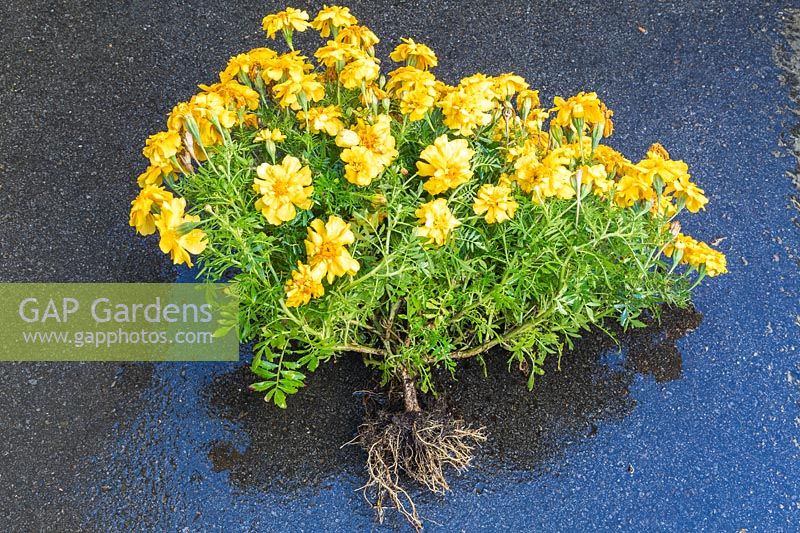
<point>415,446</point>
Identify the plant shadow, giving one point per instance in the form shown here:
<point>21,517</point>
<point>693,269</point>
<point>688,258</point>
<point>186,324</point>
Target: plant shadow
<point>303,444</point>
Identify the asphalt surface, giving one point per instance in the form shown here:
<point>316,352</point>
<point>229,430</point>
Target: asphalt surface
<point>119,447</point>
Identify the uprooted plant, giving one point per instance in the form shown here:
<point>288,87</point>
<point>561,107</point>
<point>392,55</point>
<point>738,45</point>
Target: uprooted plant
<point>414,223</point>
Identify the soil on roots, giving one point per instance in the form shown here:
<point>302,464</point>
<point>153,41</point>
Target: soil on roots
<point>412,446</point>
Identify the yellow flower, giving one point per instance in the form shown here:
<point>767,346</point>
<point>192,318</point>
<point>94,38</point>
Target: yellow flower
<point>161,147</point>
<point>697,254</point>
<point>436,222</point>
<point>151,176</point>
<point>290,19</point>
<point>327,119</point>
<point>335,54</point>
<point>275,135</point>
<point>416,90</point>
<point>176,239</point>
<point>658,163</point>
<point>414,54</point>
<point>282,188</point>
<point>234,94</point>
<point>507,85</point>
<point>597,177</point>
<point>293,92</point>
<point>469,105</point>
<point>245,63</point>
<point>331,19</point>
<point>361,166</point>
<point>347,139</point>
<point>306,283</point>
<point>447,163</point>
<point>325,245</point>
<point>359,36</point>
<point>634,187</point>
<point>141,208</point>
<point>611,159</point>
<point>291,65</point>
<point>583,106</point>
<point>527,99</point>
<point>546,178</point>
<point>693,195</point>
<point>363,70</point>
<point>238,63</point>
<point>495,201</point>
<point>376,137</point>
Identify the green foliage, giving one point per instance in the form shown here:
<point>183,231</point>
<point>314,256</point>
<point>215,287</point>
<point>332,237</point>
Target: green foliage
<point>530,285</point>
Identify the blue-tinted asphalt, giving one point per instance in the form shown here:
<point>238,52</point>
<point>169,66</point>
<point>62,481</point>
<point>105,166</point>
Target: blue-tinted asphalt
<point>717,449</point>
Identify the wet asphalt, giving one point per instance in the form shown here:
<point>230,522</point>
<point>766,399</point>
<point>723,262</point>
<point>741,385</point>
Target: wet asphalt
<point>163,447</point>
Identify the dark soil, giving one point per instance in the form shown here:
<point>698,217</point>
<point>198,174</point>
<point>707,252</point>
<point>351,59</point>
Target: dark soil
<point>526,429</point>
<point>301,445</point>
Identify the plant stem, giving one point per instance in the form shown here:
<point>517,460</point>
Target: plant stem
<point>466,354</point>
<point>410,393</point>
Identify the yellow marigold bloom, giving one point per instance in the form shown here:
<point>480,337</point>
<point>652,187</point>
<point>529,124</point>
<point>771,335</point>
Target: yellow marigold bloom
<point>175,239</point>
<point>347,139</point>
<point>371,95</point>
<point>527,99</point>
<point>469,105</point>
<point>151,176</point>
<point>547,178</point>
<point>161,147</point>
<point>535,119</point>
<point>274,135</point>
<point>334,53</point>
<point>505,179</point>
<point>597,177</point>
<point>359,36</point>
<point>238,63</point>
<point>664,206</point>
<point>611,159</point>
<point>507,85</point>
<point>436,222</point>
<point>234,93</point>
<point>291,65</point>
<point>361,166</point>
<point>141,208</point>
<point>212,107</point>
<point>282,188</point>
<point>246,63</point>
<point>363,70</point>
<point>496,202</point>
<point>290,19</point>
<point>327,119</point>
<point>404,78</point>
<point>331,18</point>
<point>658,163</point>
<point>306,283</point>
<point>585,106</point>
<point>291,93</point>
<point>657,151</point>
<point>697,254</point>
<point>693,195</point>
<point>634,187</point>
<point>260,56</point>
<point>325,245</point>
<point>414,54</point>
<point>376,137</point>
<point>446,163</point>
<point>416,90</point>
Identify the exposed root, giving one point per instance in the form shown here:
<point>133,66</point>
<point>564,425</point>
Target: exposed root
<point>416,445</point>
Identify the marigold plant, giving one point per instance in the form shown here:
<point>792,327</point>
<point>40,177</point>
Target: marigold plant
<point>412,222</point>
